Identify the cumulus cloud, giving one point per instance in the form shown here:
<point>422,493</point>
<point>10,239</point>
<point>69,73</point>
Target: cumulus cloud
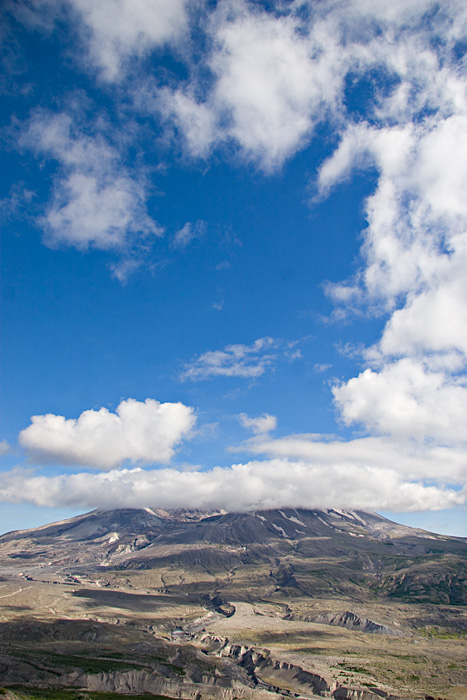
<point>146,432</point>
<point>267,83</point>
<point>247,361</point>
<point>266,79</point>
<point>96,201</point>
<point>271,83</point>
<point>197,122</point>
<point>407,400</point>
<point>415,239</point>
<point>275,76</point>
<point>260,424</point>
<point>255,485</point>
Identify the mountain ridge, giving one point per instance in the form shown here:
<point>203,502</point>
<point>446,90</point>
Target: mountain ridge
<point>298,549</point>
<point>197,515</point>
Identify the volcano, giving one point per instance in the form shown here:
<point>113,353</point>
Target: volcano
<point>203,604</point>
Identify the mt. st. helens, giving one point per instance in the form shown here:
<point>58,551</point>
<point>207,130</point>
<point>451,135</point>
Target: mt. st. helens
<point>325,551</point>
<point>194,604</point>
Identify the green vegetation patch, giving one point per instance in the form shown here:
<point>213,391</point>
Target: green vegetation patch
<point>115,696</point>
<point>45,693</point>
<point>354,669</point>
<point>85,663</point>
<point>25,693</point>
<point>437,633</point>
<point>176,669</point>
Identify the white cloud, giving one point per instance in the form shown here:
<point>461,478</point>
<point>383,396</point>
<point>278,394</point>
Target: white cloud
<point>275,76</point>
<point>96,201</point>
<point>138,431</point>
<point>435,320</point>
<point>4,447</point>
<point>197,122</point>
<point>267,84</point>
<point>414,254</point>
<point>416,235</point>
<point>260,424</point>
<point>247,361</point>
<point>272,82</point>
<point>406,400</point>
<point>255,485</point>
<point>413,461</point>
<point>113,32</point>
<point>90,211</point>
<point>122,29</point>
<point>415,257</point>
<point>188,233</point>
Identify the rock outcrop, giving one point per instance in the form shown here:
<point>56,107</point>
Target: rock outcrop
<point>142,682</point>
<point>351,621</point>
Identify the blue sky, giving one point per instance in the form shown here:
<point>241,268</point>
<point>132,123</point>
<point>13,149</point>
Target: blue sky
<point>233,257</point>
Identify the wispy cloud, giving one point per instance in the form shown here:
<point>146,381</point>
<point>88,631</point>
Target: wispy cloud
<point>322,367</point>
<point>4,447</point>
<point>188,233</point>
<point>246,361</point>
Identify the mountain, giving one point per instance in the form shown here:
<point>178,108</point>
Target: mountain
<point>295,591</point>
<point>306,550</point>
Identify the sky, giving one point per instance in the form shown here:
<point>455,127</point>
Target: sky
<point>234,255</point>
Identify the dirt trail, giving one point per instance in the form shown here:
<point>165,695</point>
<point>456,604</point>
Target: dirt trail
<point>9,595</point>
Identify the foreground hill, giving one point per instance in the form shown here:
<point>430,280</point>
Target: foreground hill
<point>235,605</point>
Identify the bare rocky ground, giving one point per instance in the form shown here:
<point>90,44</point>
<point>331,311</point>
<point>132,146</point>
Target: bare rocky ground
<point>325,614</point>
